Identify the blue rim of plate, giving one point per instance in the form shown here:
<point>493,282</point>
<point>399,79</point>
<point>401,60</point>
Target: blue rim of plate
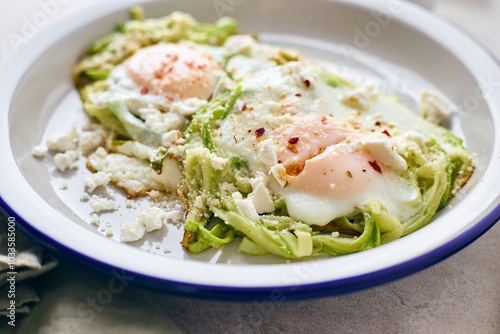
<point>275,294</point>
<point>272,293</point>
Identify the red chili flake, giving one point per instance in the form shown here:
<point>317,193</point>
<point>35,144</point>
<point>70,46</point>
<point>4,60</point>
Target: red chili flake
<point>375,166</point>
<point>244,107</point>
<point>169,70</point>
<point>260,132</point>
<point>356,126</point>
<point>249,131</point>
<point>377,123</point>
<point>293,140</point>
<point>349,174</point>
<point>298,94</point>
<point>307,82</point>
<point>189,63</point>
<point>279,161</point>
<point>144,91</point>
<point>323,120</point>
<point>364,170</point>
<point>202,66</point>
<point>169,98</point>
<point>286,106</point>
<point>385,132</point>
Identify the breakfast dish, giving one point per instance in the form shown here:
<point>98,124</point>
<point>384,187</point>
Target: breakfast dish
<point>262,145</point>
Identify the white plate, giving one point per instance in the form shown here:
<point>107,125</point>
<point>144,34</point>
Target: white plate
<point>399,47</point>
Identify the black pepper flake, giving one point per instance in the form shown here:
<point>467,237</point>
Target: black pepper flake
<point>377,123</point>
<point>298,94</point>
<point>307,82</point>
<point>260,132</point>
<point>293,140</point>
<point>364,170</point>
<point>244,107</point>
<point>375,166</point>
<point>349,174</point>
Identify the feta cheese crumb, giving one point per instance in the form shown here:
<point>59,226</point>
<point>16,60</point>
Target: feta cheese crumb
<point>62,142</point>
<point>219,163</point>
<point>433,107</point>
<point>95,180</point>
<point>90,140</point>
<point>109,232</point>
<point>154,194</point>
<point>260,195</point>
<point>85,197</point>
<point>128,204</point>
<point>39,151</point>
<point>132,231</point>
<point>279,173</point>
<point>95,220</point>
<point>99,204</point>
<point>169,138</point>
<point>66,160</point>
<point>358,98</point>
<point>188,107</point>
<point>248,208</point>
<point>198,202</point>
<point>152,218</point>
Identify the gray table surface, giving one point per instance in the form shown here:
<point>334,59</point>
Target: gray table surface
<point>458,295</point>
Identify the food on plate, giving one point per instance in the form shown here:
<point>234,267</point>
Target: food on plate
<point>262,144</point>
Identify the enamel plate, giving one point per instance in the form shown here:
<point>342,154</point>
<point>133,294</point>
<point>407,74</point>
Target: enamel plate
<point>394,46</point>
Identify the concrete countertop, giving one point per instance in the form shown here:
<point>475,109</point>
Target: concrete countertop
<point>458,295</point>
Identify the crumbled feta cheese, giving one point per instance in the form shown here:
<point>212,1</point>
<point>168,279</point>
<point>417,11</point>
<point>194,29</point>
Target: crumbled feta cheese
<point>132,231</point>
<point>248,208</point>
<point>267,154</point>
<point>128,204</point>
<point>219,163</point>
<point>386,154</point>
<point>152,218</point>
<point>239,44</point>
<point>95,220</point>
<point>433,107</point>
<point>228,187</point>
<point>85,197</point>
<point>135,149</point>
<point>187,107</point>
<point>90,140</point>
<point>261,197</point>
<point>66,160</point>
<point>176,216</point>
<point>359,98</point>
<point>198,202</point>
<point>161,122</point>
<point>168,138</point>
<point>134,175</point>
<point>154,194</point>
<point>64,186</point>
<point>95,180</point>
<point>99,204</point>
<point>39,151</point>
<point>279,173</point>
<point>237,195</point>
<point>62,142</point>
<point>109,232</point>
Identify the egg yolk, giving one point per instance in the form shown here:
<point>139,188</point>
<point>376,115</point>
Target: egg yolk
<point>302,140</point>
<point>172,70</point>
<point>338,172</point>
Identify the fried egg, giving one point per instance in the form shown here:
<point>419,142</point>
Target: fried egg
<point>322,165</point>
